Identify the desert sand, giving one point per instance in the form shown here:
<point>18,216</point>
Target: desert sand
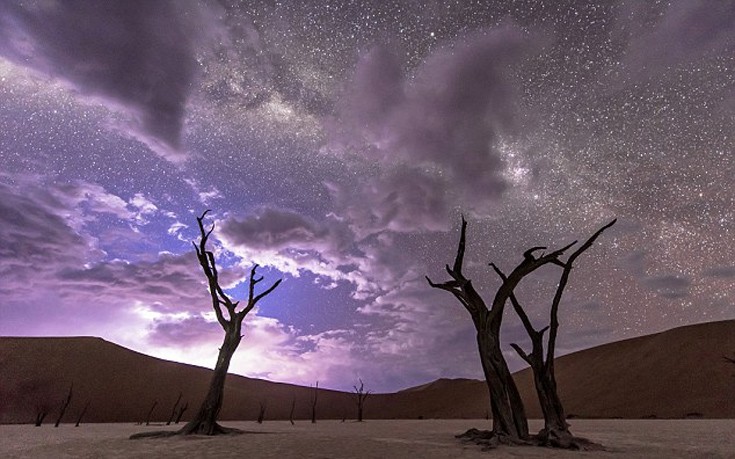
<point>370,439</point>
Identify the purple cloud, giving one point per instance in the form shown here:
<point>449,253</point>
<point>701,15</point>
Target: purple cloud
<point>402,200</point>
<point>687,31</point>
<point>444,120</point>
<point>135,56</point>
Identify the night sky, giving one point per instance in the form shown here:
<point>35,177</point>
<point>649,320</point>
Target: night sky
<point>337,144</point>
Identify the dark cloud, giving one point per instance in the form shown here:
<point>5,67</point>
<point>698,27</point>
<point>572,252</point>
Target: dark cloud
<point>275,229</point>
<point>723,272</point>
<point>669,286</point>
<point>35,239</point>
<point>138,56</point>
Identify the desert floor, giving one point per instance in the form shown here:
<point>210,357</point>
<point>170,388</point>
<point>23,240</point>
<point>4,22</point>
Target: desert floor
<point>370,439</point>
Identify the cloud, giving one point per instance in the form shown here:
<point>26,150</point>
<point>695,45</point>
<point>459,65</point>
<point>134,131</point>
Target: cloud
<point>35,238</point>
<point>401,200</point>
<point>669,286</point>
<point>137,57</point>
<point>444,120</point>
<point>723,272</point>
<point>292,243</point>
<point>279,229</point>
<point>686,31</point>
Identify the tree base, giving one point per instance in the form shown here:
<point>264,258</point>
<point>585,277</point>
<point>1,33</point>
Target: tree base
<point>563,439</point>
<point>491,440</point>
<point>196,429</point>
<point>554,439</point>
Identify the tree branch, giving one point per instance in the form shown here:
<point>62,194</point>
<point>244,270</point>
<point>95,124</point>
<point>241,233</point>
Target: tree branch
<point>554,313</point>
<point>521,353</point>
<point>459,259</point>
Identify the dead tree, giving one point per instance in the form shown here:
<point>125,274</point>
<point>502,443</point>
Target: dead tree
<point>42,410</point>
<point>205,420</point>
<point>359,395</point>
<point>173,410</point>
<point>510,424</point>
<point>150,412</point>
<point>556,430</point>
<point>181,412</point>
<point>261,413</point>
<point>81,415</point>
<point>64,406</point>
<point>314,397</point>
<point>293,408</point>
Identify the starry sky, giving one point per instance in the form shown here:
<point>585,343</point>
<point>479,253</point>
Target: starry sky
<point>337,144</point>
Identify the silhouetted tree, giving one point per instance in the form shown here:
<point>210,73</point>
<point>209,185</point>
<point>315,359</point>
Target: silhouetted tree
<point>556,430</point>
<point>293,408</point>
<point>314,397</point>
<point>64,406</point>
<point>173,410</point>
<point>261,412</point>
<point>180,413</point>
<point>150,412</point>
<point>359,395</point>
<point>81,415</point>
<point>509,416</point>
<point>205,420</point>
<point>41,411</point>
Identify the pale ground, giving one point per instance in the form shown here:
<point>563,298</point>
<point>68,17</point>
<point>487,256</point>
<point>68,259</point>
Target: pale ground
<point>370,439</point>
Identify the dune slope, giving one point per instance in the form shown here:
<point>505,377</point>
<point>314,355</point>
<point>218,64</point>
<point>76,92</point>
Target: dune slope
<point>673,374</point>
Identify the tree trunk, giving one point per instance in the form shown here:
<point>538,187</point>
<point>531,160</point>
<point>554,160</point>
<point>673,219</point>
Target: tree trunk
<point>556,430</point>
<point>64,406</point>
<point>205,421</point>
<point>181,411</point>
<point>40,416</point>
<point>81,415</point>
<point>173,410</point>
<point>509,417</point>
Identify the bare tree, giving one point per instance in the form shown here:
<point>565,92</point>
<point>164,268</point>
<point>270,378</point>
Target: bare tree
<point>181,411</point>
<point>293,408</point>
<point>359,396</point>
<point>38,394</point>
<point>41,411</point>
<point>81,415</point>
<point>556,430</point>
<point>173,410</point>
<point>510,424</point>
<point>205,421</point>
<point>314,397</point>
<point>150,412</point>
<point>261,412</point>
<point>64,406</point>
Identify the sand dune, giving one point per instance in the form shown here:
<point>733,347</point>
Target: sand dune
<point>674,374</point>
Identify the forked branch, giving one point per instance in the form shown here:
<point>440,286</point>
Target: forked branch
<point>220,299</point>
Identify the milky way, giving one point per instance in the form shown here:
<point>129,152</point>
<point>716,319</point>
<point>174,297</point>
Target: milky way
<point>337,144</point>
